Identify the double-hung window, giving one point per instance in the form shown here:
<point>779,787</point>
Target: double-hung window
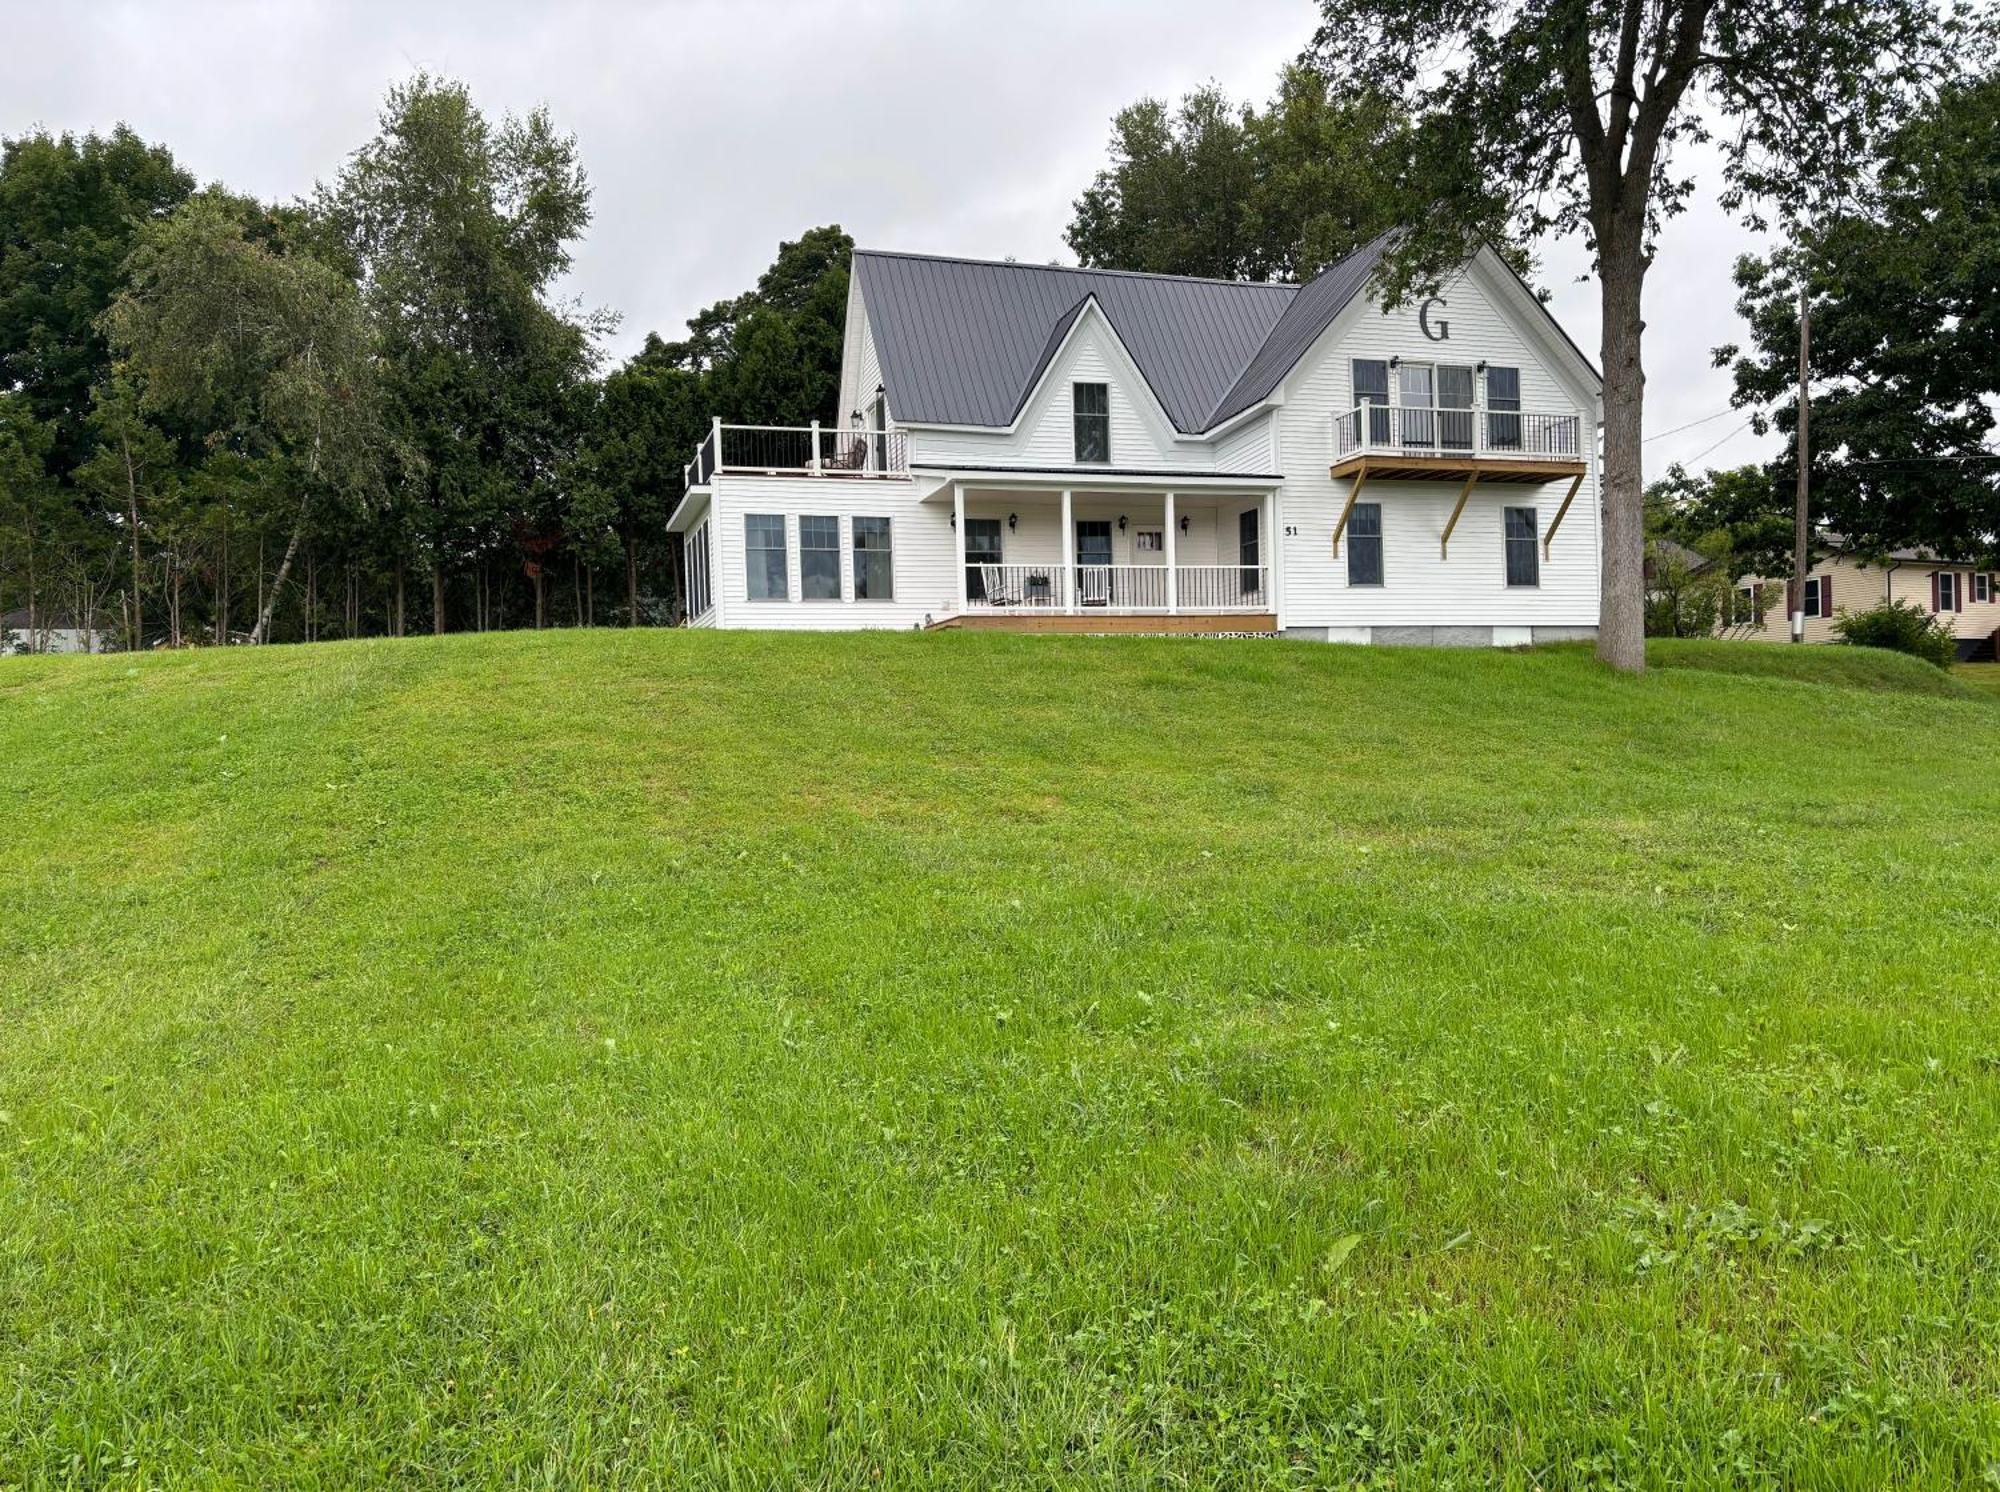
<point>1982,588</point>
<point>1364,544</point>
<point>1818,595</point>
<point>1091,407</point>
<point>1947,583</point>
<point>874,561</point>
<point>1524,561</point>
<point>819,557</point>
<point>764,556</point>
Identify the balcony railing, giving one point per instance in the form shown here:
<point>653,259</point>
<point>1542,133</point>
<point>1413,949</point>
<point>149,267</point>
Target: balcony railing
<point>797,451</point>
<point>1120,589</point>
<point>1517,434</point>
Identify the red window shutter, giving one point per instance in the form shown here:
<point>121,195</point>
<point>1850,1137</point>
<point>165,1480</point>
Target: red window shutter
<point>1935,607</point>
<point>1791,597</point>
<point>1826,595</point>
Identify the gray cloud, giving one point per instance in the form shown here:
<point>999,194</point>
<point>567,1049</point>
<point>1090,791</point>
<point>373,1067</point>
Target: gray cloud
<point>711,130</point>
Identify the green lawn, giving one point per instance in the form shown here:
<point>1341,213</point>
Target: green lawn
<point>1984,676</point>
<point>637,1059</point>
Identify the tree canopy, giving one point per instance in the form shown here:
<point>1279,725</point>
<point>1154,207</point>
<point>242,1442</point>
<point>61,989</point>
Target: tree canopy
<point>1904,288</point>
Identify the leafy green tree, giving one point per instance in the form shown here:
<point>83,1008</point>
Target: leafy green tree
<point>28,511</point>
<point>459,228</point>
<point>1575,110</point>
<point>1905,351</point>
<point>648,417</point>
<point>70,211</point>
<point>1743,509</point>
<point>270,351</point>
<point>131,466</point>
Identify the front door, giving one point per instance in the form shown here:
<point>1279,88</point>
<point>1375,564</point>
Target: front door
<point>982,547</point>
<point>1093,561</point>
<point>1454,397</point>
<point>1246,551</point>
<point>1419,401</point>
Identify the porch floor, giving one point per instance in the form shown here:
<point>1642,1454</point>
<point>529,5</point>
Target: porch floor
<point>1103,623</point>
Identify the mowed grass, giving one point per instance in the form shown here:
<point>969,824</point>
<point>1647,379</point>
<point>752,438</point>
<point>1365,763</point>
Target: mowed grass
<point>667,1059</point>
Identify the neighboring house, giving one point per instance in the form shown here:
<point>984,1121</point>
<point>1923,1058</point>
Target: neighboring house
<point>50,632</point>
<point>1053,449</point>
<point>1963,596</point>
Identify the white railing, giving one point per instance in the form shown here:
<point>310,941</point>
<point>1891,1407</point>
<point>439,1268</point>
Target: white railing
<point>1392,429</point>
<point>1117,588</point>
<point>798,450</point>
<point>1222,588</point>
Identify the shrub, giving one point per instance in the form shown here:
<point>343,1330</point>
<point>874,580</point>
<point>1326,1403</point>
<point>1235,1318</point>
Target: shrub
<point>1902,627</point>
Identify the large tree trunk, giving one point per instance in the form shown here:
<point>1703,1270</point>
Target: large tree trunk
<point>270,601</point>
<point>132,519</point>
<point>1621,626</point>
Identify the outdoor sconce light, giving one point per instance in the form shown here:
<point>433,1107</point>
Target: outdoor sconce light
<point>1013,522</point>
<point>1121,523</point>
<point>1482,366</point>
<point>1183,523</point>
<point>1396,361</point>
<point>954,520</point>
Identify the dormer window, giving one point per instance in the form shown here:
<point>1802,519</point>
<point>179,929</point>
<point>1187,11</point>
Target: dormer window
<point>1091,403</point>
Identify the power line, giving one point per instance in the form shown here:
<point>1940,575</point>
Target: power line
<point>1706,449</point>
<point>1690,425</point>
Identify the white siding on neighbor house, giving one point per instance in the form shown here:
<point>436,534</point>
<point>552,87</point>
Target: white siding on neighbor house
<point>1142,439</point>
<point>921,534</point>
<point>1420,587</point>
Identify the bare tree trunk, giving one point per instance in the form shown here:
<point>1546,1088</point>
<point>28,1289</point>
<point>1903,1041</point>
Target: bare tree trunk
<point>174,609</point>
<point>400,596</point>
<point>1621,627</point>
<point>269,602</point>
<point>437,600</point>
<point>631,580</point>
<point>255,636</point>
<point>132,518</point>
<point>312,597</point>
<point>222,589</point>
<point>1801,508</point>
<point>540,604</point>
<point>589,597</point>
<point>576,592</point>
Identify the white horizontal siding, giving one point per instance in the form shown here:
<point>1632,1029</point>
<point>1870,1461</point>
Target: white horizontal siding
<point>923,546</point>
<point>1247,448</point>
<point>1421,587</point>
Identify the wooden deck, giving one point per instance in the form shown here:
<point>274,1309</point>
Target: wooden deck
<point>1382,467</point>
<point>1108,623</point>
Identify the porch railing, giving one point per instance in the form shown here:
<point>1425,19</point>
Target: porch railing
<point>1398,430</point>
<point>1117,588</point>
<point>797,450</point>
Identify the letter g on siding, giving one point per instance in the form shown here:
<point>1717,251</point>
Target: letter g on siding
<point>1442,332</point>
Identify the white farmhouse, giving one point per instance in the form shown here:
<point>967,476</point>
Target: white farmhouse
<point>1036,448</point>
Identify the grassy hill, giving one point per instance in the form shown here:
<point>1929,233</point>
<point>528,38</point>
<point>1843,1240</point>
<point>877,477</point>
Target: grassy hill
<point>674,1059</point>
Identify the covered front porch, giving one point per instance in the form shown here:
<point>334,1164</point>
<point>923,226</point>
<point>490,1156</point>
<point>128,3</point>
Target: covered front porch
<point>1088,558</point>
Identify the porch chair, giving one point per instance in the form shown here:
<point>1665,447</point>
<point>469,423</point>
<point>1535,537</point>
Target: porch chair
<point>1094,585</point>
<point>994,579</point>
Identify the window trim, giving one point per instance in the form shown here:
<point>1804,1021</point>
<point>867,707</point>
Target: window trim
<point>855,552</point>
<point>1077,416</point>
<point>784,549</point>
<point>1947,578</point>
<point>839,577</point>
<point>1381,580</point>
<point>1533,541</point>
<point>1982,588</point>
<point>1810,603</point>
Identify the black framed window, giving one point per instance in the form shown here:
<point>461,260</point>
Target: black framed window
<point>982,547</point>
<point>1091,404</point>
<point>1364,544</point>
<point>1455,383</point>
<point>874,560</point>
<point>819,558</point>
<point>1247,550</point>
<point>1524,559</point>
<point>1503,408</point>
<point>1371,386</point>
<point>764,556</point>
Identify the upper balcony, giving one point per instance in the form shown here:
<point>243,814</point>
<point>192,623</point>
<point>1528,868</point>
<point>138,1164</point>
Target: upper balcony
<point>1391,442</point>
<point>797,451</point>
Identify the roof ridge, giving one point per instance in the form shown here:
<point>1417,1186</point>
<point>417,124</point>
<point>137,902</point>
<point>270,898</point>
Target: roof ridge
<point>1084,269</point>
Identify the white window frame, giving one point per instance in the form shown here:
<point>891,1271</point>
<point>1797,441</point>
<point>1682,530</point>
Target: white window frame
<point>855,552</point>
<point>1811,601</point>
<point>701,598</point>
<point>784,548</point>
<point>1947,580</point>
<point>1076,453</point>
<point>839,573</point>
<point>1534,546</point>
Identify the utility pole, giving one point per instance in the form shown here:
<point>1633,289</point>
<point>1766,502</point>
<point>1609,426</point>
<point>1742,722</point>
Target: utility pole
<point>1800,515</point>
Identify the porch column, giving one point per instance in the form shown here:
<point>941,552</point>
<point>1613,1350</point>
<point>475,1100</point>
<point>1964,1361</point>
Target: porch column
<point>1267,547</point>
<point>1173,561</point>
<point>1069,556</point>
<point>958,544</point>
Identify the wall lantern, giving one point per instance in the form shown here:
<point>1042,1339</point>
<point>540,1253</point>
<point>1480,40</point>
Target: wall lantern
<point>1183,523</point>
<point>1396,361</point>
<point>954,520</point>
<point>1121,523</point>
<point>1013,522</point>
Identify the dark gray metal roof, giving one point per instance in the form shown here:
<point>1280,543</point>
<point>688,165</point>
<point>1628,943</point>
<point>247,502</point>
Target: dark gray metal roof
<point>961,341</point>
<point>1312,310</point>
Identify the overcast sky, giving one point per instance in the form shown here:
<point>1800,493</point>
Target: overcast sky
<point>713,129</point>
